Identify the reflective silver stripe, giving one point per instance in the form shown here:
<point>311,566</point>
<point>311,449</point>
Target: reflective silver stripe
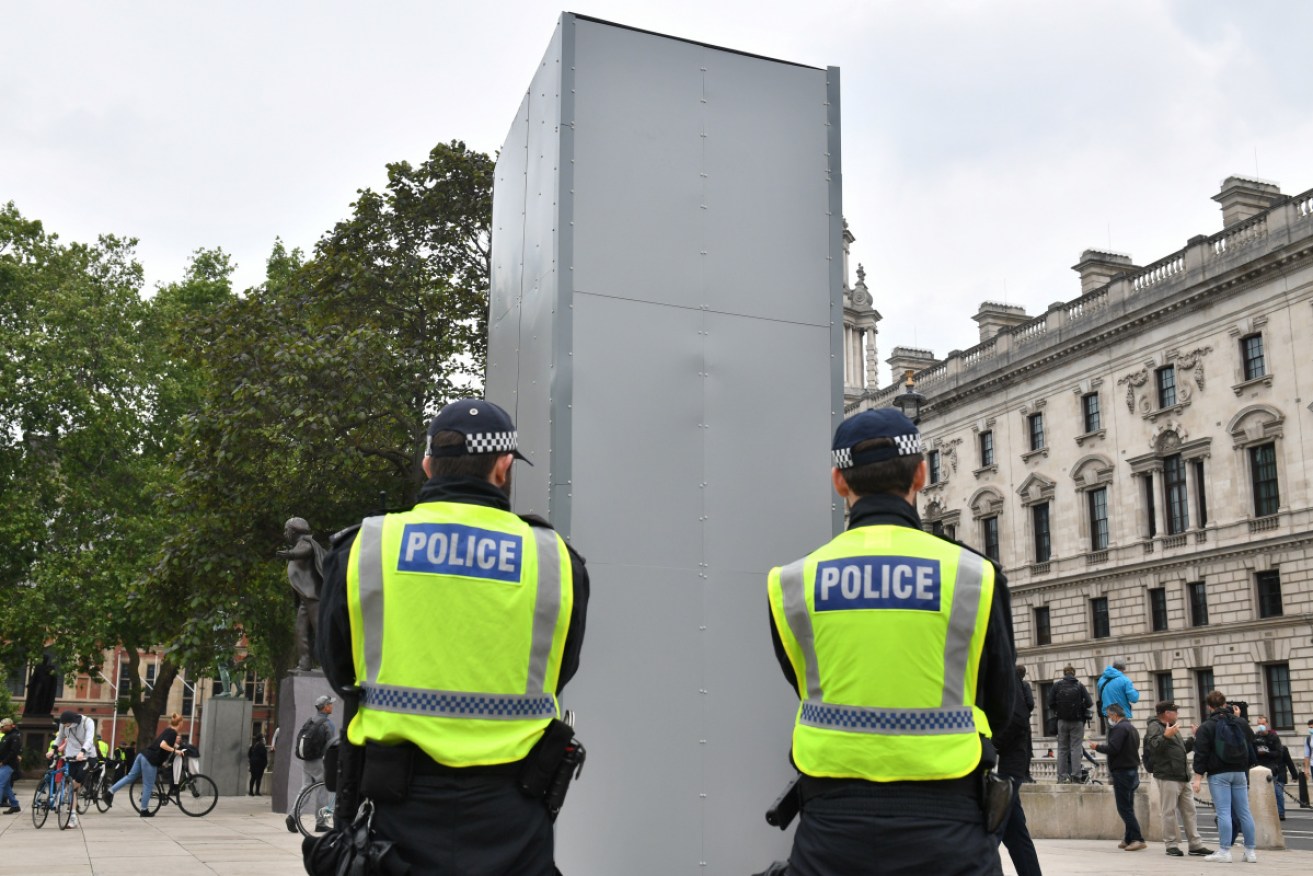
<point>547,607</point>
<point>457,704</point>
<point>792,587</point>
<point>889,722</point>
<point>961,627</point>
<point>369,574</point>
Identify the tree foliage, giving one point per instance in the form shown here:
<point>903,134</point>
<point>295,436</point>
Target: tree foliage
<point>151,447</point>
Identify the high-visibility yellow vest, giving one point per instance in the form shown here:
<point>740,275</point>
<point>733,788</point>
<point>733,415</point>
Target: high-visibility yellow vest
<point>885,627</point>
<point>458,621</point>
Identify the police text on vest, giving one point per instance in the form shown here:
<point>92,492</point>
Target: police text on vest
<point>908,583</point>
<point>453,549</point>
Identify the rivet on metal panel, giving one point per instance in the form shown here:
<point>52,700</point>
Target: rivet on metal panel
<point>702,690</point>
<point>703,627</point>
<point>703,175</point>
<point>703,206</point>
<point>703,69</point>
<point>702,100</point>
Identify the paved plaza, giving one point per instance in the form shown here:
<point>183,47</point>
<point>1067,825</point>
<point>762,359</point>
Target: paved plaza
<point>241,836</point>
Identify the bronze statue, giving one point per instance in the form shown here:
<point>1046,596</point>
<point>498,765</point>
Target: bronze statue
<point>41,689</point>
<point>305,572</point>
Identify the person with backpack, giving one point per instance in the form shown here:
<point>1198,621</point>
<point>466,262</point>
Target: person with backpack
<point>1070,702</point>
<point>1014,755</point>
<point>1115,687</point>
<point>1165,759</point>
<point>1272,753</point>
<point>311,743</point>
<point>1123,749</point>
<point>1224,751</point>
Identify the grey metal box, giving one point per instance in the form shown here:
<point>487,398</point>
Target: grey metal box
<point>665,325</point>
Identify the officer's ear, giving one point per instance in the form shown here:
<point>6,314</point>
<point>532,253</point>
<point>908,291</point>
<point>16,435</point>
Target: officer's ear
<point>427,465</point>
<point>920,477</point>
<point>840,485</point>
<point>501,471</point>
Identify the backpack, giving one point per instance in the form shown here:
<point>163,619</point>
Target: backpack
<point>1145,757</point>
<point>312,739</point>
<point>1068,704</point>
<point>1230,746</point>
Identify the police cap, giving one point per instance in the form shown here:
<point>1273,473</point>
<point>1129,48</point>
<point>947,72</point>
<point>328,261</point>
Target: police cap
<point>888,423</point>
<point>486,427</point>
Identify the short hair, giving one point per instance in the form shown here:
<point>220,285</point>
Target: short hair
<point>1119,663</point>
<point>175,720</point>
<point>1069,670</point>
<point>469,465</point>
<point>1215,699</point>
<point>1164,706</point>
<point>1114,709</point>
<point>887,476</point>
<point>1021,671</point>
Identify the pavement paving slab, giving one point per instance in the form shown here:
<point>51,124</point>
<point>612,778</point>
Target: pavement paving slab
<point>243,837</point>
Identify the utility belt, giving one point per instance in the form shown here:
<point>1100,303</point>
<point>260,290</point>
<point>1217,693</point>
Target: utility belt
<point>388,771</point>
<point>982,792</point>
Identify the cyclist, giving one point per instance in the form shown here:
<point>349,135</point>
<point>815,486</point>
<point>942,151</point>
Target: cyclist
<point>147,765</point>
<point>77,740</point>
<point>10,748</point>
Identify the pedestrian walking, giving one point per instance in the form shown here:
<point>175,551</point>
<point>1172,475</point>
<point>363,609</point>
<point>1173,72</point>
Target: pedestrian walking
<point>257,757</point>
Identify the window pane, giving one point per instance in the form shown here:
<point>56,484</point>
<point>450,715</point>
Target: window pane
<point>990,527</point>
<point>1149,508</point>
<point>934,466</point>
<point>986,449</point>
<point>1269,594</point>
<point>1043,633</point>
<point>1263,468</point>
<point>1178,512</point>
<point>1198,603</point>
<point>1203,685</point>
<point>1252,351</point>
<point>1201,500</point>
<point>1099,617</point>
<point>1043,547</point>
<point>1163,685</point>
<point>1036,431</point>
<point>1166,386</point>
<point>1158,608</point>
<point>1280,705</point>
<point>1099,519</point>
<point>1090,407</point>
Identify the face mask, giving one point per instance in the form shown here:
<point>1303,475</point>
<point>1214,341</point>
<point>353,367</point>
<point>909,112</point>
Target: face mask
<point>1262,728</point>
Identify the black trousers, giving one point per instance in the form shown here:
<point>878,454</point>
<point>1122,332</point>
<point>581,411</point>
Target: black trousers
<point>257,776</point>
<point>904,833</point>
<point>469,826</point>
<point>1016,836</point>
<point>1124,783</point>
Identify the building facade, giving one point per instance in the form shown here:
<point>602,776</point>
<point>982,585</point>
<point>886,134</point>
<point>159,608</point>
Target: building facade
<point>1139,460</point>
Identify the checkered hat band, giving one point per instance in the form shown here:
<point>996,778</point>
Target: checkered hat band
<point>889,722</point>
<point>458,704</point>
<point>480,442</point>
<point>904,445</point>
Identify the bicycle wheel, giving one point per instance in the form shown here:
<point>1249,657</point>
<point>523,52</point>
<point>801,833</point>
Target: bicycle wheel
<point>304,815</point>
<point>99,791</point>
<point>65,803</point>
<point>134,797</point>
<point>85,793</point>
<point>41,803</point>
<point>197,795</point>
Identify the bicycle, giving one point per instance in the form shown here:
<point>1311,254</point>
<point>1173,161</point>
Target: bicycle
<point>196,794</point>
<point>54,791</point>
<point>93,788</point>
<point>305,817</point>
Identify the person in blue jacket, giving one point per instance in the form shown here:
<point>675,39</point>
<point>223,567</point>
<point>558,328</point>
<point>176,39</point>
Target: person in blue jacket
<point>1115,687</point>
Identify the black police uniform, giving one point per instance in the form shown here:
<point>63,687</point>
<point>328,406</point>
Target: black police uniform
<point>469,820</point>
<point>850,827</point>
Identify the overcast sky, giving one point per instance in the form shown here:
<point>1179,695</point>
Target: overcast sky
<point>986,143</point>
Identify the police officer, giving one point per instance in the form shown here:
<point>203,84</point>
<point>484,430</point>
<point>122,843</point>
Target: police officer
<point>461,623</point>
<point>899,644</point>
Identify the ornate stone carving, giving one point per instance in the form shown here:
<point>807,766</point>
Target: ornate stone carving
<point>1134,381</point>
<point>1193,361</point>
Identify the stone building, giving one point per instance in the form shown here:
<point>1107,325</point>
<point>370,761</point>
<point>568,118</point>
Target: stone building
<point>1140,461</point>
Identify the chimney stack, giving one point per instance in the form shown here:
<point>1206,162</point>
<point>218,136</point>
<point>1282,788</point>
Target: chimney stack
<point>1098,266</point>
<point>994,317</point>
<point>1242,197</point>
<point>907,359</point>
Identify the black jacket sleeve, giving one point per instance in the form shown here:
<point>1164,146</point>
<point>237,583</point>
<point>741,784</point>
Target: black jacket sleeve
<point>334,644</point>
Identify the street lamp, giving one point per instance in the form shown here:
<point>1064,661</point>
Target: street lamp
<point>910,401</point>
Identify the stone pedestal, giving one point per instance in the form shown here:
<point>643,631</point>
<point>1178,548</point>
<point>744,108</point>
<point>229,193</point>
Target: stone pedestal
<point>225,735</point>
<point>1080,811</point>
<point>297,693</point>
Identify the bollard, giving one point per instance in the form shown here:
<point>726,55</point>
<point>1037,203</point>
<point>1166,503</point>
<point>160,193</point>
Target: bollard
<point>1263,806</point>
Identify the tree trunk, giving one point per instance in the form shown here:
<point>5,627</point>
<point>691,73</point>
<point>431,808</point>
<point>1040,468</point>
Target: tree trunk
<point>147,709</point>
